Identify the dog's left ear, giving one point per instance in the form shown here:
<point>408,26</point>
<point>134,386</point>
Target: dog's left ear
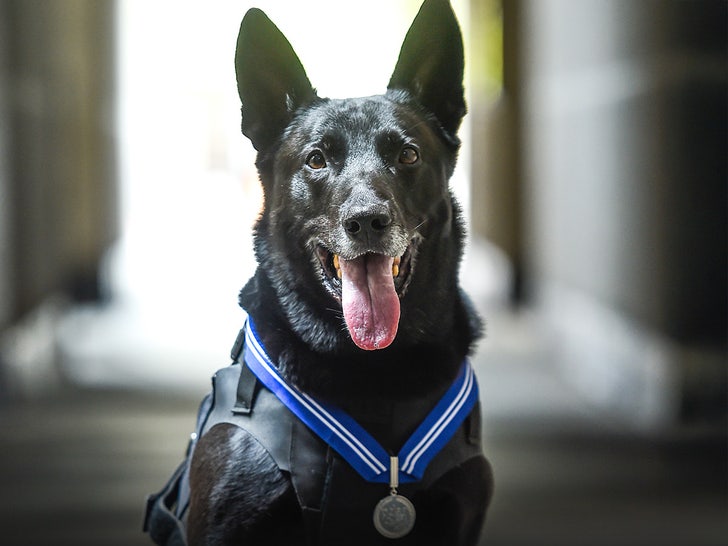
<point>272,83</point>
<point>430,64</point>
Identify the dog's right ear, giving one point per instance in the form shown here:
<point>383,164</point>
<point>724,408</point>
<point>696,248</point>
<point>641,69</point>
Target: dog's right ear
<point>272,83</point>
<point>430,64</point>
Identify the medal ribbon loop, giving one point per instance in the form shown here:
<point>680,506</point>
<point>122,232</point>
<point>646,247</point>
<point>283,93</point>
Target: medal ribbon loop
<point>351,440</point>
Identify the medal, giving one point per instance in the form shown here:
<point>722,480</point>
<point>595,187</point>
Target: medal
<point>394,515</point>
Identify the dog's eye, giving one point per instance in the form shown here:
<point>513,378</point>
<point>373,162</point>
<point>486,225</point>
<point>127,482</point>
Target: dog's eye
<point>409,155</point>
<point>316,160</point>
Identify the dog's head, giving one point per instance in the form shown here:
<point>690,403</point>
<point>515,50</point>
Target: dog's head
<point>357,203</point>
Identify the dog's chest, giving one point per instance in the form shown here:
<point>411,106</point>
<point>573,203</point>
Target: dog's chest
<point>391,422</point>
<point>336,503</point>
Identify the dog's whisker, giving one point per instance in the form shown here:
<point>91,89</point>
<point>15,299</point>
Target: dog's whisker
<point>418,226</point>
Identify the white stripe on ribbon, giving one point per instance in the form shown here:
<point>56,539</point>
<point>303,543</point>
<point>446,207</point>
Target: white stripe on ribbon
<point>434,433</point>
<point>380,467</point>
<point>325,417</point>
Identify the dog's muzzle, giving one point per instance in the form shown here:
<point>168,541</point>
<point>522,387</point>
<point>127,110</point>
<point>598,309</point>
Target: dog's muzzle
<point>369,287</point>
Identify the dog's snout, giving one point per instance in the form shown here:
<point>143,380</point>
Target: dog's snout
<point>367,225</point>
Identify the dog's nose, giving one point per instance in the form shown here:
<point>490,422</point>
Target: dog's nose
<point>368,225</point>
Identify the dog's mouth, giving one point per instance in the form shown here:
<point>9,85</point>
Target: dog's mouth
<point>369,287</point>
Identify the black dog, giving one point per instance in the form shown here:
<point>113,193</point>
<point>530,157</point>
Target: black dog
<point>355,303</point>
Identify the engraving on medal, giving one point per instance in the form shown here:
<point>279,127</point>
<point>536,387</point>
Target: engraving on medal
<point>394,516</point>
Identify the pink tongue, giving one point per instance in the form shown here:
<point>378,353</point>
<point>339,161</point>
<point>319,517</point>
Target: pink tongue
<point>370,302</point>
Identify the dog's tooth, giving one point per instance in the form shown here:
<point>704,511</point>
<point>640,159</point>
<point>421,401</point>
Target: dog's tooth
<point>397,261</point>
<point>337,266</point>
<point>395,270</point>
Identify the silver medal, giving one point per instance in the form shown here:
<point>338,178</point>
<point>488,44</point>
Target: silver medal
<point>394,515</point>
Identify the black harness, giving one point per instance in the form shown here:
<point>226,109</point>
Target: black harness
<point>335,501</point>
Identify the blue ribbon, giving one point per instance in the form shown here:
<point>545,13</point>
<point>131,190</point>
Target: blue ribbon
<point>349,439</point>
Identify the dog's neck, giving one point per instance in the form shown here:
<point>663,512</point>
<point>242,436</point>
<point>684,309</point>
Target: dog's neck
<point>345,372</point>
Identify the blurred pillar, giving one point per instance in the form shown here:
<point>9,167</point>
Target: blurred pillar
<point>6,299</point>
<point>623,113</point>
<point>58,160</point>
<point>495,103</point>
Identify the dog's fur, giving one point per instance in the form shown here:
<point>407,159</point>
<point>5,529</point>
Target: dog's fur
<point>364,179</point>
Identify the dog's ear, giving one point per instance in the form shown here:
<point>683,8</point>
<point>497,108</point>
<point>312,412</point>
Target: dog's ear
<point>430,64</point>
<point>272,83</point>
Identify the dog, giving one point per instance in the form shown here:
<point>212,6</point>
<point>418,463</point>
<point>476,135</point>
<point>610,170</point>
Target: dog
<point>355,308</point>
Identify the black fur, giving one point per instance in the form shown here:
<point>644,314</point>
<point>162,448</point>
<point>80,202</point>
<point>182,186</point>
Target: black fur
<point>238,493</point>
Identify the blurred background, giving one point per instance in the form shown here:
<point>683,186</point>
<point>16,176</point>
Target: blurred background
<point>593,174</point>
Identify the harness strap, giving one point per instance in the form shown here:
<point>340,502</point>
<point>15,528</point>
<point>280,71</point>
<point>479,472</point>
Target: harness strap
<point>159,521</point>
<point>310,469</point>
<point>248,383</point>
<point>247,388</point>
